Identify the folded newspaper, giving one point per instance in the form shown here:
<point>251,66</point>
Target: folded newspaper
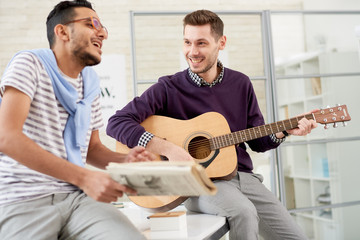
<point>165,178</point>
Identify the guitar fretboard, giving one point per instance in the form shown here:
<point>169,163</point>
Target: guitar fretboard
<point>255,132</point>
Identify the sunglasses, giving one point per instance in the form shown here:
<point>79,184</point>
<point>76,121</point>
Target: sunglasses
<point>96,24</point>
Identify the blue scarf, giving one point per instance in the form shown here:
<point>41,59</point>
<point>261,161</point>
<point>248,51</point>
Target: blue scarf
<point>78,122</point>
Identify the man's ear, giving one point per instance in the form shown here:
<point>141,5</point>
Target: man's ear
<point>62,32</point>
<point>222,42</point>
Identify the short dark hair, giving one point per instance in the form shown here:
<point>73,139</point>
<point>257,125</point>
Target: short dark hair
<point>63,12</point>
<point>203,17</point>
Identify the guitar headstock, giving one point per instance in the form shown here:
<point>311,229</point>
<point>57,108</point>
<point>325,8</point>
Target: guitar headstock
<point>332,115</point>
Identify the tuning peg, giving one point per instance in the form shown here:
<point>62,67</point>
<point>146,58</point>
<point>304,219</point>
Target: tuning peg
<point>326,126</point>
<point>344,124</point>
<point>335,125</point>
<point>339,107</point>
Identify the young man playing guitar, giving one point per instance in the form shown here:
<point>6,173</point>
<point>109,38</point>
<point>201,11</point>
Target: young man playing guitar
<point>207,86</point>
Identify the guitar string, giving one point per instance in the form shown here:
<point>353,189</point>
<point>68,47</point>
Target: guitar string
<point>227,141</point>
<point>245,135</point>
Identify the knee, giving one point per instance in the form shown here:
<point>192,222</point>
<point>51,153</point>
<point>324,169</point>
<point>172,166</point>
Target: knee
<point>247,213</point>
<point>244,223</point>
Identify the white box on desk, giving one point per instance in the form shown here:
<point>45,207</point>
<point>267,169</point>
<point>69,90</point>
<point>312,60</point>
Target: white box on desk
<point>168,221</point>
<point>164,225</point>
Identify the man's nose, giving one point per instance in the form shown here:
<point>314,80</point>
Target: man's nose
<point>194,50</point>
<point>103,33</point>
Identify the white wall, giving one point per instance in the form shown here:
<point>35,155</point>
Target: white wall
<point>23,22</point>
<point>333,32</point>
<point>331,5</point>
<point>23,25</point>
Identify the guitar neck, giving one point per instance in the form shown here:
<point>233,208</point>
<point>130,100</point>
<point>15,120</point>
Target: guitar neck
<point>255,132</point>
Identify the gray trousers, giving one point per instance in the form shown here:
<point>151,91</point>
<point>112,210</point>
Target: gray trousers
<point>64,216</point>
<point>250,209</point>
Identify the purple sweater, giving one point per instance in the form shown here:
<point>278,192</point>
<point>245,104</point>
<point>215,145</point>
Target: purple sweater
<point>177,96</point>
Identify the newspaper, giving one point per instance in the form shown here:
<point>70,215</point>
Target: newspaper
<point>165,178</point>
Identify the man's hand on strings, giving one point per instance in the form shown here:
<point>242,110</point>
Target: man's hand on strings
<point>304,126</point>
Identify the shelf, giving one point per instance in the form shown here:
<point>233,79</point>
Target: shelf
<point>324,179</point>
<point>323,219</point>
<point>297,59</point>
<point>305,215</point>
<point>312,165</point>
<point>315,217</point>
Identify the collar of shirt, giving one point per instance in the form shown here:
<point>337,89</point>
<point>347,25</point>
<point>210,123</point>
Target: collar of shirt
<point>201,82</point>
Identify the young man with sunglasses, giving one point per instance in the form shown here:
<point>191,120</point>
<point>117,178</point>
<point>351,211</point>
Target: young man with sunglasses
<point>49,120</point>
<point>208,86</point>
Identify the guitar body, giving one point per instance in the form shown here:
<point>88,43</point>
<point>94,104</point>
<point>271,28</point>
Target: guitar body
<point>218,163</point>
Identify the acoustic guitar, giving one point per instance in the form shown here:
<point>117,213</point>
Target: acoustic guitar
<point>208,139</point>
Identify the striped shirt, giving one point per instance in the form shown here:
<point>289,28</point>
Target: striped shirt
<point>45,125</point>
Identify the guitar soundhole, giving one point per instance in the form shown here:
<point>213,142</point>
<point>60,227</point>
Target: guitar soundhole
<point>199,147</point>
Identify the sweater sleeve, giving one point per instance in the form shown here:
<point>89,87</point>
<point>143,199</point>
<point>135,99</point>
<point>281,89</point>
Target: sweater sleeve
<point>125,126</point>
<point>255,118</point>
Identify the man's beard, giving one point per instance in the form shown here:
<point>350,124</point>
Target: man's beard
<point>79,51</point>
<point>86,58</point>
<point>205,69</point>
<point>211,62</point>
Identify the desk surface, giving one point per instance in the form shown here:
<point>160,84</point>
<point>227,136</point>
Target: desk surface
<point>199,226</point>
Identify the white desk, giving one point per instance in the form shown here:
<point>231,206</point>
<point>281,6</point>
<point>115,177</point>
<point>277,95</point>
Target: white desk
<point>199,226</point>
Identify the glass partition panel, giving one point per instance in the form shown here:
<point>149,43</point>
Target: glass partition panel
<point>320,168</point>
<point>158,44</point>
<point>321,175</point>
<point>343,90</point>
<point>330,223</point>
<point>300,95</point>
<point>315,43</point>
<point>317,66</point>
<point>343,167</point>
<point>243,51</point>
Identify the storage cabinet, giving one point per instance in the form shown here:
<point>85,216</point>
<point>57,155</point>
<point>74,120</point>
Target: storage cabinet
<point>313,172</point>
